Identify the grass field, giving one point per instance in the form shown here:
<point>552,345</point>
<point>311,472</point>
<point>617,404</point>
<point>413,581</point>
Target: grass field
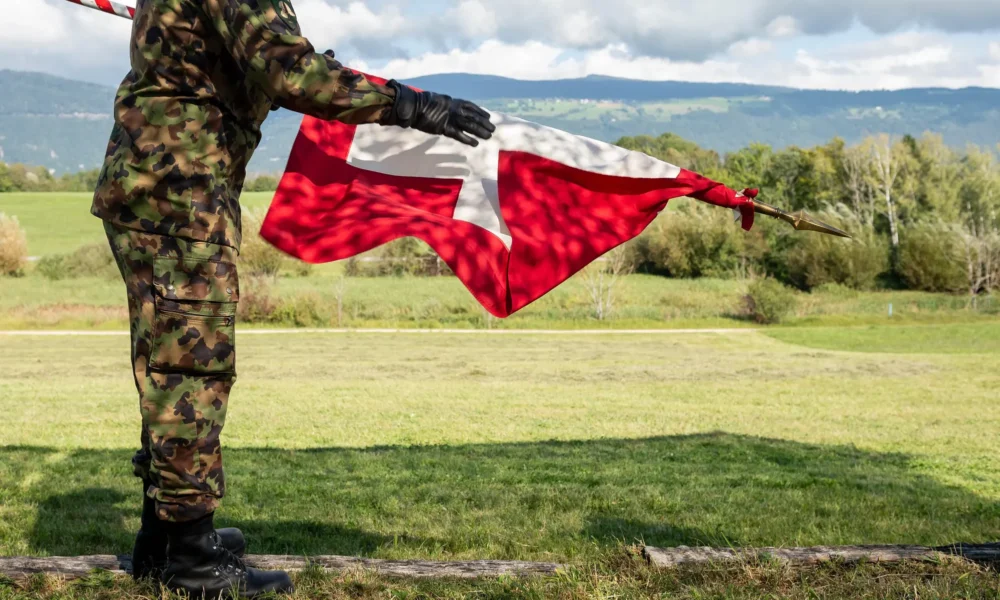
<point>575,110</point>
<point>61,222</point>
<point>643,301</point>
<point>846,426</point>
<point>542,448</point>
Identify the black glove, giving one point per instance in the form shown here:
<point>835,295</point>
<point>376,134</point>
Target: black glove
<point>439,115</point>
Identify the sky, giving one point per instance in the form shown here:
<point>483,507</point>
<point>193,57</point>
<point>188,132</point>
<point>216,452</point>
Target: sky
<point>845,45</point>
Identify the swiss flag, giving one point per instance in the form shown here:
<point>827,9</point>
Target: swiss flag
<point>513,218</point>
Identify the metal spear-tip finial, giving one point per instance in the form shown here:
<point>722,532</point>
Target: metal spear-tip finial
<point>800,220</point>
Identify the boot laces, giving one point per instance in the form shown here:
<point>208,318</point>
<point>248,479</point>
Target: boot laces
<point>229,563</point>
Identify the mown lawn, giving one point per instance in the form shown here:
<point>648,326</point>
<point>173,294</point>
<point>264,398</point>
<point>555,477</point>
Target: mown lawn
<point>537,447</point>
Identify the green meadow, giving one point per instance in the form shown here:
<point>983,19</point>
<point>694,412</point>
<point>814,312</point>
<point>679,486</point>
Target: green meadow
<point>844,425</point>
<point>566,448</point>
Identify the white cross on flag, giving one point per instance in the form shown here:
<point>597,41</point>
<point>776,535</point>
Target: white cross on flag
<point>512,218</point>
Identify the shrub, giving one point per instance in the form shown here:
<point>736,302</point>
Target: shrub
<point>13,246</point>
<point>301,268</point>
<point>407,256</point>
<point>258,258</point>
<point>92,259</point>
<point>52,267</point>
<point>402,257</point>
<point>814,259</point>
<point>303,310</point>
<point>701,241</point>
<point>931,258</point>
<point>835,290</point>
<point>256,302</point>
<point>352,268</point>
<point>261,183</point>
<point>769,301</point>
<point>85,261</point>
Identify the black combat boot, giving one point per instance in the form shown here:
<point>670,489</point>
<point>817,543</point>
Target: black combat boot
<point>149,554</point>
<point>199,565</point>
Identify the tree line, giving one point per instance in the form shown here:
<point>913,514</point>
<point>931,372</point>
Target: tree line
<point>923,215</point>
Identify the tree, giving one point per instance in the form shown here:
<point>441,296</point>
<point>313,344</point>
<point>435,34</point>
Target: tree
<point>749,166</point>
<point>826,187</point>
<point>6,182</point>
<point>982,258</point>
<point>855,164</point>
<point>675,150</point>
<point>980,232</point>
<point>601,279</point>
<point>887,163</point>
<point>936,180</point>
<point>261,183</point>
<point>791,179</point>
<point>979,194</point>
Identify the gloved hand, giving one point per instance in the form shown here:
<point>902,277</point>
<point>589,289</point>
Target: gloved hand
<point>439,115</point>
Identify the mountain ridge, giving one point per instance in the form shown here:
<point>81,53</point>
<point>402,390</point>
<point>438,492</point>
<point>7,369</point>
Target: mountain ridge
<point>63,124</point>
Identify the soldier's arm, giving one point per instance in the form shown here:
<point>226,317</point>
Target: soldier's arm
<point>265,39</point>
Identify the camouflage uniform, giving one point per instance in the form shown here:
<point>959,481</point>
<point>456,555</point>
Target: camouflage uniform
<point>205,74</point>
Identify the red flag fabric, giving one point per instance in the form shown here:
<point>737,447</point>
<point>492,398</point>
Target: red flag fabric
<point>512,218</point>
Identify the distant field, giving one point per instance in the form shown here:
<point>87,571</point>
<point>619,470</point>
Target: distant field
<point>538,447</point>
<point>608,110</point>
<point>61,222</point>
<point>644,301</point>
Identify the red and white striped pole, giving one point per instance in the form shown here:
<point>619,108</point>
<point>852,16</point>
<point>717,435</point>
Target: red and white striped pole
<point>112,8</point>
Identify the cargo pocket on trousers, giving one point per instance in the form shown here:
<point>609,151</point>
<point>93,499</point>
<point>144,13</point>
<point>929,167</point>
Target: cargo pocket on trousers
<point>194,328</point>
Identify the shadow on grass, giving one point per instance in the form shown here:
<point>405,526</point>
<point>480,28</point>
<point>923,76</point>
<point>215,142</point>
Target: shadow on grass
<point>546,500</point>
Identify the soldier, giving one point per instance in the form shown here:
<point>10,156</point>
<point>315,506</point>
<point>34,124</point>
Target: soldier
<point>205,74</point>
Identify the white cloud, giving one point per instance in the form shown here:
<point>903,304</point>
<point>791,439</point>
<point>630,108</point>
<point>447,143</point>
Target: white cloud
<point>995,51</point>
<point>782,27</point>
<point>65,40</point>
<point>790,42</point>
<point>906,60</point>
<point>331,26</point>
<point>534,60</point>
<point>473,19</point>
<point>50,28</point>
<point>750,48</point>
<point>578,29</point>
<point>531,60</point>
<point>700,29</point>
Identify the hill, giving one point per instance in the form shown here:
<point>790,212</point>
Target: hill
<point>64,124</point>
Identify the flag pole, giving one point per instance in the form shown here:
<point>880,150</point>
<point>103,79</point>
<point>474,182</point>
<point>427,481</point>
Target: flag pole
<point>109,7</point>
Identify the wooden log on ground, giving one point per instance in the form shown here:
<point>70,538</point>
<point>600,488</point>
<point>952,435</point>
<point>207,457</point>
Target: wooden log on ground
<point>70,567</point>
<point>74,567</point>
<point>684,556</point>
<point>409,568</point>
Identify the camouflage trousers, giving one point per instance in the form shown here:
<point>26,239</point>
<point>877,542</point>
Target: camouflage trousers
<point>182,298</point>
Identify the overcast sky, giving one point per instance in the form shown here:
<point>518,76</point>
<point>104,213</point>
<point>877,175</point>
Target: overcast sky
<point>850,44</point>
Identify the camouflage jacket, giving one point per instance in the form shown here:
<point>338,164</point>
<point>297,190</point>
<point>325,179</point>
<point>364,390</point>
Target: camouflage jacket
<point>205,74</point>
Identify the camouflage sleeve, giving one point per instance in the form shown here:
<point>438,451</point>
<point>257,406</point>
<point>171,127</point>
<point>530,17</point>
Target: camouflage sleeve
<point>265,39</point>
